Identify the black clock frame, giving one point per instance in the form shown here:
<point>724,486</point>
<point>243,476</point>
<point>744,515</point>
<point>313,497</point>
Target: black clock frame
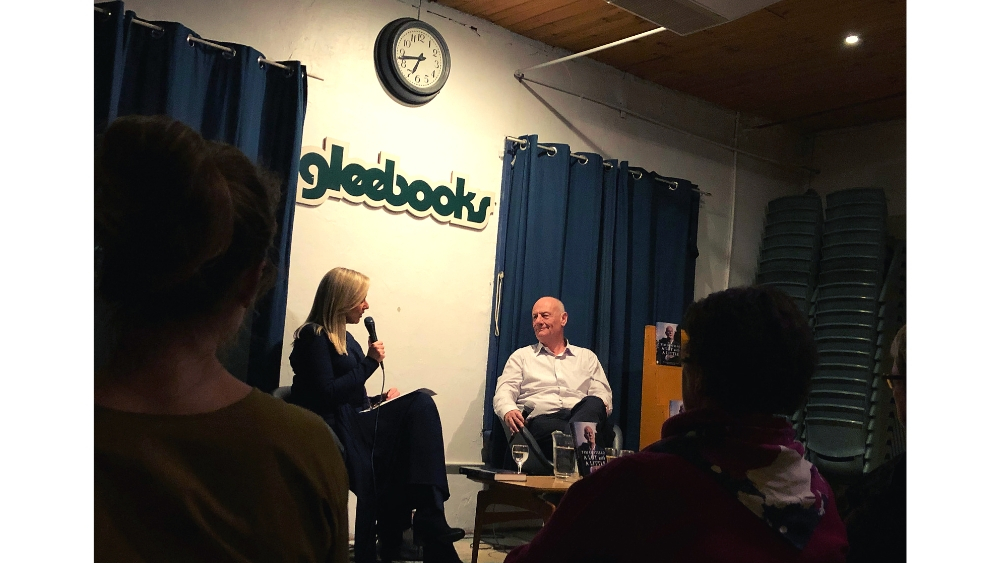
<point>389,75</point>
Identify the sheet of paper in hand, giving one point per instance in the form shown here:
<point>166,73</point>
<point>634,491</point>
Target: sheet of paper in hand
<point>377,405</point>
<point>589,456</point>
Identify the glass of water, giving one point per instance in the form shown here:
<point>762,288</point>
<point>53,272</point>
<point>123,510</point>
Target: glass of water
<point>563,455</point>
<point>520,454</point>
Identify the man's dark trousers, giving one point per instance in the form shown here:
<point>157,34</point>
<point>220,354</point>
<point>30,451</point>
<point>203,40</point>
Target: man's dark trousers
<point>589,409</point>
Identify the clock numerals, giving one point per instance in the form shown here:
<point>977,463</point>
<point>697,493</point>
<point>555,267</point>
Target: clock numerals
<point>415,61</point>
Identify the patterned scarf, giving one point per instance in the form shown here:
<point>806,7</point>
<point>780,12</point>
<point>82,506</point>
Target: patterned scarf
<point>757,460</point>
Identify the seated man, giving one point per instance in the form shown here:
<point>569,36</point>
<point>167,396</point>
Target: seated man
<point>727,481</point>
<point>560,383</point>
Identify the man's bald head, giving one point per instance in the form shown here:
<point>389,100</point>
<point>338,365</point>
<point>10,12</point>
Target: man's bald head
<point>551,303</point>
<point>548,317</point>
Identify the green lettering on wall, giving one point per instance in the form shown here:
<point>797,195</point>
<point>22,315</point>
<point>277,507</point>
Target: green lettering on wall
<point>327,173</point>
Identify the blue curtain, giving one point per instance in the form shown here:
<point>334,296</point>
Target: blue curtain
<point>227,97</point>
<point>616,244</point>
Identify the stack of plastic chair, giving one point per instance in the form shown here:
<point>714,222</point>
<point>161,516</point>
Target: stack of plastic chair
<point>846,321</point>
<point>886,437</point>
<point>790,252</point>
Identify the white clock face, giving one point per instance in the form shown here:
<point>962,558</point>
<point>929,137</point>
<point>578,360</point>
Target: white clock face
<point>419,58</point>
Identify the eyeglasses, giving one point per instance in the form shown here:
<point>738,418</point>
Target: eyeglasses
<point>890,378</point>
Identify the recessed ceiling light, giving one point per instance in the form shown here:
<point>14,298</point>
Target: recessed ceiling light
<point>852,39</point>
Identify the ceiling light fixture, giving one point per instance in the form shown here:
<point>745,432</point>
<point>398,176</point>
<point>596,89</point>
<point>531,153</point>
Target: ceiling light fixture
<point>852,39</point>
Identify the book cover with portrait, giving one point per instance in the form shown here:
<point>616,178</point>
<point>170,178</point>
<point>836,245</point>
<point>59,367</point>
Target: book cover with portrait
<point>668,344</point>
<point>589,456</point>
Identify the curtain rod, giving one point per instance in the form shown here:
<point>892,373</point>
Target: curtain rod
<point>636,173</point>
<point>191,39</point>
<point>520,73</point>
<point>675,128</point>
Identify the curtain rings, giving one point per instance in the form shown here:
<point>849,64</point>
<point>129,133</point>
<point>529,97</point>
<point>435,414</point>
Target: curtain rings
<point>551,151</point>
<point>582,158</point>
<point>636,175</point>
<point>191,40</point>
<point>520,142</point>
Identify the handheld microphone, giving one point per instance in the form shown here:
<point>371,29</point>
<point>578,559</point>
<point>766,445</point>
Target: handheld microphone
<point>370,325</point>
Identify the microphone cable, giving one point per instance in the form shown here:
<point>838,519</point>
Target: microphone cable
<point>375,434</point>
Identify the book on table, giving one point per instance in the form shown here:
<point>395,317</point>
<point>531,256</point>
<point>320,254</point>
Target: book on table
<point>589,456</point>
<point>491,474</point>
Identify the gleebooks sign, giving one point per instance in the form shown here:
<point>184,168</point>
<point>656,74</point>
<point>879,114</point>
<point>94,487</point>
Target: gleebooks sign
<point>328,173</point>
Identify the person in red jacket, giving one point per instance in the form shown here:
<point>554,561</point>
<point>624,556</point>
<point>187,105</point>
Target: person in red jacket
<point>727,481</point>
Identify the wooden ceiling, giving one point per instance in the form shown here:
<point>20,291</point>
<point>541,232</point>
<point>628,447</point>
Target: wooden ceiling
<point>786,63</point>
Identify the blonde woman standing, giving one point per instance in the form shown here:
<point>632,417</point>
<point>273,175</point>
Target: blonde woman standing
<point>394,467</point>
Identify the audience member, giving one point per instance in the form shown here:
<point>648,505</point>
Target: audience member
<point>727,481</point>
<point>875,508</point>
<point>191,464</point>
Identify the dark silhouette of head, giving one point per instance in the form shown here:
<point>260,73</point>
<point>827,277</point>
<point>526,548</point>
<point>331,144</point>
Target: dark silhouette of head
<point>749,350</point>
<point>180,222</point>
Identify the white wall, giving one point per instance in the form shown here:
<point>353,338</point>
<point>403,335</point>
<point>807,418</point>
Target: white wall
<point>870,156</point>
<point>432,283</point>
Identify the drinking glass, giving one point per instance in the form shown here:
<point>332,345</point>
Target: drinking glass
<point>520,453</point>
<point>563,455</point>
<point>611,453</point>
<point>623,453</point>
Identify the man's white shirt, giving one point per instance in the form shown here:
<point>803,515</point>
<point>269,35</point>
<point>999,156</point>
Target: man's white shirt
<point>551,382</point>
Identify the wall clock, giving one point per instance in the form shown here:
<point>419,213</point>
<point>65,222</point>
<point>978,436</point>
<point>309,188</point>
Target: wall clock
<point>411,60</point>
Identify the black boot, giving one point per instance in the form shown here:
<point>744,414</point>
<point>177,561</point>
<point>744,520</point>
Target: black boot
<point>440,552</point>
<point>430,525</point>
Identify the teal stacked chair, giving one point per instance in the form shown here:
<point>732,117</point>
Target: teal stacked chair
<point>790,252</point>
<point>886,438</point>
<point>845,314</point>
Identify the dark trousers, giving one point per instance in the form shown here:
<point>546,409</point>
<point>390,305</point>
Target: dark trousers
<point>409,469</point>
<point>589,409</point>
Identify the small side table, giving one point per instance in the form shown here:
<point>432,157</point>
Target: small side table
<point>525,495</point>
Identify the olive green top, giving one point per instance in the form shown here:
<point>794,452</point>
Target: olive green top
<point>258,480</point>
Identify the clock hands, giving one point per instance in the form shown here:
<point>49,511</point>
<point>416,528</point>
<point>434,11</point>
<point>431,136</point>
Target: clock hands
<point>418,59</point>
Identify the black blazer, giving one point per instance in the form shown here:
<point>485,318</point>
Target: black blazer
<point>332,385</point>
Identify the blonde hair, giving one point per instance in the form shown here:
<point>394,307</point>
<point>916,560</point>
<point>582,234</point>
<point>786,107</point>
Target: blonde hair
<point>339,291</point>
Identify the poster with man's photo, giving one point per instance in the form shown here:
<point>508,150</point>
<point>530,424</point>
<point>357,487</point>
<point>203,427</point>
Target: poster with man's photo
<point>668,344</point>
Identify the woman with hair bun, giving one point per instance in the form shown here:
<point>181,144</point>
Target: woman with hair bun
<point>191,464</point>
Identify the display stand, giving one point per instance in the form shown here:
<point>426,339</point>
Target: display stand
<point>660,385</point>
